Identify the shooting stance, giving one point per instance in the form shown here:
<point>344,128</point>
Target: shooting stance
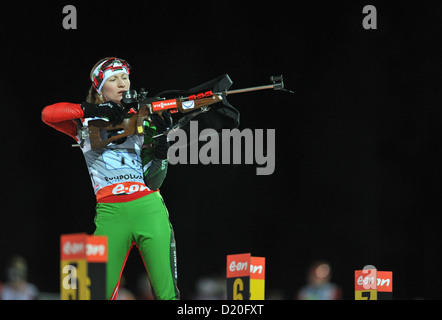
<point>126,174</point>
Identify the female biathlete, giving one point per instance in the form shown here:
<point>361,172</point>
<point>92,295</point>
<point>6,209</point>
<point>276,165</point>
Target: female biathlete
<point>125,175</point>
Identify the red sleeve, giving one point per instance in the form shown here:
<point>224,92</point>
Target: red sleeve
<point>61,117</point>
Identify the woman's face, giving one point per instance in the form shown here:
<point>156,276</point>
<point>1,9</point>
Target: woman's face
<point>114,87</point>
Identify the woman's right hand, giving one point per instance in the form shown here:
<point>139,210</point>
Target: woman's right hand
<point>110,110</point>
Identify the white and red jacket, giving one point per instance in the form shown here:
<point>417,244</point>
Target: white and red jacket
<point>116,171</point>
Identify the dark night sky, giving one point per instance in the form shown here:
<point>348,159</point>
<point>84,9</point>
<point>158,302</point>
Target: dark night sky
<point>357,177</point>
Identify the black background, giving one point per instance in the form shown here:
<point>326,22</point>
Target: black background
<point>357,177</point>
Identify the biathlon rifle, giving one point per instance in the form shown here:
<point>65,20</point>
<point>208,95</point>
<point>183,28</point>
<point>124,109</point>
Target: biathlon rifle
<point>134,125</point>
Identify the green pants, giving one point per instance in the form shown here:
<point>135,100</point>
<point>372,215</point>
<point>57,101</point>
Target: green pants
<point>143,222</point>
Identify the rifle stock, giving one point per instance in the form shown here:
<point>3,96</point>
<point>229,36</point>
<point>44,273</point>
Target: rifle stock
<point>135,123</point>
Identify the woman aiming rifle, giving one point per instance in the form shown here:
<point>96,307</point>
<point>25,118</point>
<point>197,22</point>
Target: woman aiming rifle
<point>125,175</point>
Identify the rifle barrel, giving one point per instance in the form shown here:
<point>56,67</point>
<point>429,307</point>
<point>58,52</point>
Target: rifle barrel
<point>270,86</point>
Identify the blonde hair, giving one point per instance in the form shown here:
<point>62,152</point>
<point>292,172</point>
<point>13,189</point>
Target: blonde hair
<point>93,96</point>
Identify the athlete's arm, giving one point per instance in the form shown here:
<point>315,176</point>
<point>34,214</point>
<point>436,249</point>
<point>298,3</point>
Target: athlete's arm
<point>61,117</point>
<point>156,173</point>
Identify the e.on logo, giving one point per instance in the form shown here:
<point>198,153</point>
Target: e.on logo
<point>384,282</point>
<point>83,246</point>
<point>243,265</point>
<point>238,265</point>
<point>73,248</point>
